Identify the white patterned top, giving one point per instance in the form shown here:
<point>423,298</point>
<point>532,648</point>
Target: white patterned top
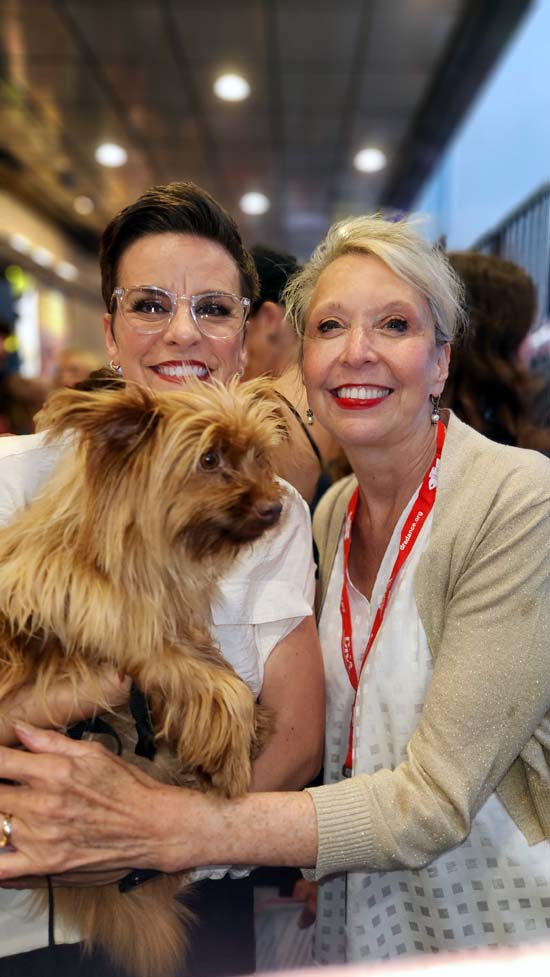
<point>493,889</point>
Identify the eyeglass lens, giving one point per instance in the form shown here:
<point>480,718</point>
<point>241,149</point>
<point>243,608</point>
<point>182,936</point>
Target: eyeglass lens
<point>151,310</point>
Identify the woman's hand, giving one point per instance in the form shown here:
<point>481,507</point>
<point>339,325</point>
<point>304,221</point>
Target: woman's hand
<point>76,806</point>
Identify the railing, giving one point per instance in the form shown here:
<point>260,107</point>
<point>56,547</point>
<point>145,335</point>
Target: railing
<point>524,237</point>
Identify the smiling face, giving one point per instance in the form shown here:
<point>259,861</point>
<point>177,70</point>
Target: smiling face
<point>186,264</point>
<point>370,356</point>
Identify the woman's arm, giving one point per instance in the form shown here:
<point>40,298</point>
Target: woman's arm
<point>66,704</point>
<point>293,689</point>
<point>78,806</point>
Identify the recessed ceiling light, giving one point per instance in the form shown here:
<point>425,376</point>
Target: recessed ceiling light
<point>83,205</point>
<point>66,270</point>
<point>232,88</point>
<point>370,160</point>
<point>20,243</point>
<point>42,257</point>
<point>254,203</point>
<point>110,154</point>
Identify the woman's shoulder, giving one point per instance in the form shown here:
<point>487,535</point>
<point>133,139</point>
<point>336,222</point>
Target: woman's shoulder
<point>330,512</point>
<point>489,469</point>
<point>27,460</point>
<point>14,445</point>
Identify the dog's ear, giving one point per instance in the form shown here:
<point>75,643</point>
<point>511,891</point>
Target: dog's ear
<point>115,417</point>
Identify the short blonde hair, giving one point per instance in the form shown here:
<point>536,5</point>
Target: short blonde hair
<point>406,252</point>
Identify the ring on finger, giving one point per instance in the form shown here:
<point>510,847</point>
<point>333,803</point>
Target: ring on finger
<point>5,830</point>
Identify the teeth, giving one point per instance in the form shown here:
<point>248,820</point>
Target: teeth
<point>185,370</point>
<point>362,393</point>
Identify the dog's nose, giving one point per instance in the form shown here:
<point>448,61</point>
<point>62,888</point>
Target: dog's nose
<point>270,513</point>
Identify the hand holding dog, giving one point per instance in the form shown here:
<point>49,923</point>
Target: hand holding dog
<point>79,807</point>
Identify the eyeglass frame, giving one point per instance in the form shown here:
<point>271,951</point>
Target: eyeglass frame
<point>119,292</point>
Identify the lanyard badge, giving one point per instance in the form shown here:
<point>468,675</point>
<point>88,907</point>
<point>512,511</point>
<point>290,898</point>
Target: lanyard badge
<point>416,517</point>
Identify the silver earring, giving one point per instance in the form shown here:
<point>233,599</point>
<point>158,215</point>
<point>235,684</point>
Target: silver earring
<point>436,413</point>
<point>309,416</point>
<point>115,367</point>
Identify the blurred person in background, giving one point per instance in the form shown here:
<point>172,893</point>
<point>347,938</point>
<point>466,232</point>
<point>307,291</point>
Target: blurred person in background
<point>74,365</point>
<point>20,397</point>
<point>489,386</point>
<point>272,349</point>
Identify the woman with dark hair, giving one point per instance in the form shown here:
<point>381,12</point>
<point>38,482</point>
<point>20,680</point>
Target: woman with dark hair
<point>169,263</point>
<point>488,385</point>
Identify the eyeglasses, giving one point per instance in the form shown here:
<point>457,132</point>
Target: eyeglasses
<point>149,309</point>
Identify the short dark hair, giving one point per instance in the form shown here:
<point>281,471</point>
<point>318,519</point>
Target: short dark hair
<point>274,270</point>
<point>181,208</point>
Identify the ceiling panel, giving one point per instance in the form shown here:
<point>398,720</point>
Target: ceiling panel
<point>326,79</point>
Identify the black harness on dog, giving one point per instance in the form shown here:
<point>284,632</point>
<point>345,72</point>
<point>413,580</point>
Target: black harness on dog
<point>145,747</point>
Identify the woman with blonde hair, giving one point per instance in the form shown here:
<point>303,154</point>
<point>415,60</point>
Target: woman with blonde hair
<point>431,832</point>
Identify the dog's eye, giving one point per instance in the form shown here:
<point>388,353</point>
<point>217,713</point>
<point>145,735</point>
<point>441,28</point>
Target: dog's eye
<point>210,460</point>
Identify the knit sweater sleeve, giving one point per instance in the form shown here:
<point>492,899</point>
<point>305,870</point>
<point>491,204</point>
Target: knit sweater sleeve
<point>488,694</point>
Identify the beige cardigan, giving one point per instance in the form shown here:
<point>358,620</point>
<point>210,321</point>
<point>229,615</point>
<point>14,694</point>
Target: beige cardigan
<point>482,589</point>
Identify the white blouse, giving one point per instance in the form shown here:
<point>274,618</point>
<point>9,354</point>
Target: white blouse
<point>493,889</point>
<point>267,593</point>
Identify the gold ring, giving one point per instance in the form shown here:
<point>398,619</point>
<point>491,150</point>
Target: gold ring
<point>5,832</point>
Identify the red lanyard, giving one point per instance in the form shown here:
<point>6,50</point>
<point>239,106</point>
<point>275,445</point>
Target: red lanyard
<point>416,517</point>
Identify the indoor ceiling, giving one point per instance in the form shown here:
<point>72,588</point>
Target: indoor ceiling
<point>327,77</point>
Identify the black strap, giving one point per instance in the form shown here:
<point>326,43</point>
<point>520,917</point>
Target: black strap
<point>96,725</point>
<point>51,913</point>
<point>305,429</point>
<point>145,747</point>
<point>139,707</point>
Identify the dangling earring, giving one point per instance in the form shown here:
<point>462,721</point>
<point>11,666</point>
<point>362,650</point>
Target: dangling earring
<point>239,374</point>
<point>309,416</point>
<point>436,414</point>
<point>116,368</point>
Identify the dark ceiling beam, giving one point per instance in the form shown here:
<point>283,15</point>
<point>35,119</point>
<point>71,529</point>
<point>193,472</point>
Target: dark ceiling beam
<point>116,104</point>
<point>481,34</point>
<point>273,73</point>
<point>349,109</point>
<point>209,149</point>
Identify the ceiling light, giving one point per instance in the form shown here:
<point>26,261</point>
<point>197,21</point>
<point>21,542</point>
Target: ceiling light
<point>20,243</point>
<point>110,154</point>
<point>370,160</point>
<point>83,205</point>
<point>66,270</point>
<point>254,203</point>
<point>42,257</point>
<point>232,88</point>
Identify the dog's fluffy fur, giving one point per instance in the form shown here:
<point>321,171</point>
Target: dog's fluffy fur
<point>116,562</point>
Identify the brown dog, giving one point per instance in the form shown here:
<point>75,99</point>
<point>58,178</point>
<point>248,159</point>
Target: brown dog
<point>116,562</point>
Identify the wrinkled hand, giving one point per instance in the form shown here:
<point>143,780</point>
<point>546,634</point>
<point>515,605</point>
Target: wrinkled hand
<point>75,806</point>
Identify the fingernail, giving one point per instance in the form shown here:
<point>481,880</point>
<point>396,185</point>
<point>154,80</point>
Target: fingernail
<point>21,727</point>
